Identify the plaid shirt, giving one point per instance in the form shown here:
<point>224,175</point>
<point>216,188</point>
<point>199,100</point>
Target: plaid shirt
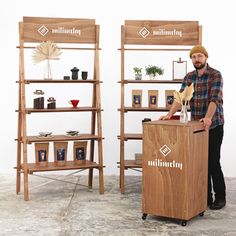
<point>207,88</point>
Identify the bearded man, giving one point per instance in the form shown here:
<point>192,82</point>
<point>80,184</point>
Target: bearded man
<point>207,106</point>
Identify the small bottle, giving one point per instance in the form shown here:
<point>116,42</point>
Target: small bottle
<point>184,113</point>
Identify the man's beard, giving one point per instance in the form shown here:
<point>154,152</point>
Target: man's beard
<point>199,66</point>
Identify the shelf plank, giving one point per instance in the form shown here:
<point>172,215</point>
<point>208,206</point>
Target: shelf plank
<point>154,49</point>
<point>60,81</point>
<point>126,109</point>
<point>132,136</point>
<point>151,81</point>
<point>63,48</point>
<point>52,166</point>
<point>53,138</point>
<point>161,109</point>
<point>61,109</point>
<point>130,164</point>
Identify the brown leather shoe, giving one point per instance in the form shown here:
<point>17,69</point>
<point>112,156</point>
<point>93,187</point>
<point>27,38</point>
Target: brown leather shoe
<point>218,204</point>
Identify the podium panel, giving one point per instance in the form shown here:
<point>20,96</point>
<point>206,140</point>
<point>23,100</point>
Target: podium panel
<point>175,169</point>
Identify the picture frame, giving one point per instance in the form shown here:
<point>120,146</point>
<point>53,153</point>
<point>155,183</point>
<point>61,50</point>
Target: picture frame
<point>137,98</point>
<point>153,98</point>
<point>60,152</point>
<point>169,98</point>
<point>41,153</point>
<point>80,152</point>
<point>179,69</point>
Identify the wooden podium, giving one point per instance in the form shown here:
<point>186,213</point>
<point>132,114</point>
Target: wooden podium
<point>175,169</point>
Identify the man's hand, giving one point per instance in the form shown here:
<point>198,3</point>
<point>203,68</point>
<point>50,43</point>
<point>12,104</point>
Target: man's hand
<point>166,117</point>
<point>206,123</point>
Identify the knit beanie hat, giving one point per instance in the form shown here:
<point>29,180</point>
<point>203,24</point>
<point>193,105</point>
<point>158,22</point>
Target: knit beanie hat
<point>198,49</point>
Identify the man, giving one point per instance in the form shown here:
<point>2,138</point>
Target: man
<point>207,107</point>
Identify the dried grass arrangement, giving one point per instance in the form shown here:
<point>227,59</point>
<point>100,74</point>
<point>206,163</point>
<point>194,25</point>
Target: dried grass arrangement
<point>46,51</point>
<point>184,96</point>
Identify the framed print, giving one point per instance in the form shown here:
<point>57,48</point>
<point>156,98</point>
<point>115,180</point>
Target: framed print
<point>80,151</point>
<point>169,98</point>
<point>179,69</point>
<point>152,98</point>
<point>41,153</point>
<point>137,98</point>
<point>60,152</point>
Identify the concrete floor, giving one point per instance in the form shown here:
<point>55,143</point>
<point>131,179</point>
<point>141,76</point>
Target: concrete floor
<point>59,208</point>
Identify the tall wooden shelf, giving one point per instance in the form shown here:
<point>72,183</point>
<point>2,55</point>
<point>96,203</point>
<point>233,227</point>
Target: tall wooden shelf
<point>141,33</point>
<point>88,35</point>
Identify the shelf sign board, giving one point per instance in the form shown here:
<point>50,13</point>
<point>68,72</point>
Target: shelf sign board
<point>161,32</point>
<point>59,30</point>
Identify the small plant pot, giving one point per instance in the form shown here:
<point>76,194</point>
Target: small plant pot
<point>138,76</point>
<point>152,76</point>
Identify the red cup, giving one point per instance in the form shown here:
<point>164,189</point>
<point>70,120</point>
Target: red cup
<point>74,103</point>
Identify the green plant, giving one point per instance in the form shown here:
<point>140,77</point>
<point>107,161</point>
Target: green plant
<point>137,70</point>
<point>150,69</point>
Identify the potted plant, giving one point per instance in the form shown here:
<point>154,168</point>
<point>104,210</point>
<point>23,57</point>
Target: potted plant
<point>138,73</point>
<point>153,71</point>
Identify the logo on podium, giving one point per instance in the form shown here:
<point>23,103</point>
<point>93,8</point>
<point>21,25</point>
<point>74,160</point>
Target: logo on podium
<point>165,150</point>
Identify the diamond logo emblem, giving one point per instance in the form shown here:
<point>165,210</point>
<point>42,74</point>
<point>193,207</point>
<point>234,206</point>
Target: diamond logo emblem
<point>165,150</point>
<point>144,32</point>
<point>43,30</point>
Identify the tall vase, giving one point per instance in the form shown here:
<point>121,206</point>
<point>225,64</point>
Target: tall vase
<point>48,70</point>
<point>184,113</point>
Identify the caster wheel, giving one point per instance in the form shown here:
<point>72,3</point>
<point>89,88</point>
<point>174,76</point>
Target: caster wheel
<point>201,214</point>
<point>184,222</point>
<point>144,216</point>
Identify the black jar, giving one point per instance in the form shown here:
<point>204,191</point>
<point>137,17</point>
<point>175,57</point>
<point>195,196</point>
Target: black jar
<point>51,103</point>
<point>84,75</point>
<point>39,100</point>
<point>74,71</point>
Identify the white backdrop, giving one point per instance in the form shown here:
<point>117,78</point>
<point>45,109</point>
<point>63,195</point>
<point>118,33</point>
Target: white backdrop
<point>219,38</point>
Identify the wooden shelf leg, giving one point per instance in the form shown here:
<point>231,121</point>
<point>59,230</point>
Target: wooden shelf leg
<point>101,180</point>
<point>122,180</point>
<point>18,179</point>
<point>97,102</point>
<point>25,167</point>
<point>26,187</point>
<point>18,168</point>
<point>122,168</point>
<point>90,179</point>
<point>122,115</point>
<point>93,125</point>
<point>19,135</point>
